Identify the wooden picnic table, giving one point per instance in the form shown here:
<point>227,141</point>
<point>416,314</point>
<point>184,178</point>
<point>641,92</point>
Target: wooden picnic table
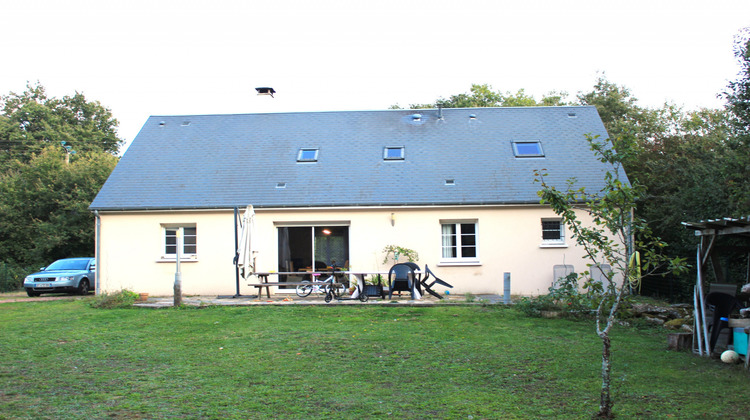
<point>268,284</point>
<point>359,275</point>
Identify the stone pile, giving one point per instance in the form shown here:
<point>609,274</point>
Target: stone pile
<point>674,317</point>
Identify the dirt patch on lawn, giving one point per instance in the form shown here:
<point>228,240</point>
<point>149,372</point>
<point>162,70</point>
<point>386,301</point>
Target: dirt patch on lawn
<point>22,297</point>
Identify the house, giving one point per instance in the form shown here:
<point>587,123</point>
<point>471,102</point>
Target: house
<point>455,185</point>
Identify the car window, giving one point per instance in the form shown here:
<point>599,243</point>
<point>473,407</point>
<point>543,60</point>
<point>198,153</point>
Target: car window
<point>68,265</point>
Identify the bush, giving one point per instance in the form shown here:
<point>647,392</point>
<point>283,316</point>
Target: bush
<point>121,299</point>
<point>564,296</point>
<point>11,277</point>
<point>534,305</point>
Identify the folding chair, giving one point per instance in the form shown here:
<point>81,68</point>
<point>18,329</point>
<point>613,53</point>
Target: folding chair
<point>436,280</point>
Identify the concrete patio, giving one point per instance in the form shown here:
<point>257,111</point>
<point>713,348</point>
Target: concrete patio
<point>286,299</point>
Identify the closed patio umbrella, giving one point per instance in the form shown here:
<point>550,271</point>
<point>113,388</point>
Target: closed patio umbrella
<point>246,250</point>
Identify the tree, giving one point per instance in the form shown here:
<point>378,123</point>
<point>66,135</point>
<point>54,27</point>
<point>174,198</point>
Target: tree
<point>680,158</point>
<point>31,121</point>
<point>519,99</point>
<point>738,94</point>
<point>44,201</point>
<point>614,238</point>
<point>738,105</point>
<point>44,206</point>
<point>483,96</point>
<point>613,102</point>
<point>682,170</point>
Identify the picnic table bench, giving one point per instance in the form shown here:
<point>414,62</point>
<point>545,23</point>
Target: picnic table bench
<point>268,284</point>
<point>420,281</point>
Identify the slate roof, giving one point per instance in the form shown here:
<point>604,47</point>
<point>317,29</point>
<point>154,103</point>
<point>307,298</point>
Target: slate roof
<point>224,161</point>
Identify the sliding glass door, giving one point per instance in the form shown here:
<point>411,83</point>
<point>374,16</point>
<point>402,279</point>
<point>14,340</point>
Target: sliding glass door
<point>310,248</point>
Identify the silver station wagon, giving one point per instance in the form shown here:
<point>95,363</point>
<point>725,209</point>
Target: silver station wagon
<point>73,275</point>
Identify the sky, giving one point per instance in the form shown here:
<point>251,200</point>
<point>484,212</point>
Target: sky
<point>162,57</point>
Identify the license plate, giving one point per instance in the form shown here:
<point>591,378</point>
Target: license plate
<point>42,285</point>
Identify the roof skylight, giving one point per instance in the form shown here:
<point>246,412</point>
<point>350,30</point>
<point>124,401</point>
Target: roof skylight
<point>393,153</point>
<point>307,155</point>
<point>522,149</point>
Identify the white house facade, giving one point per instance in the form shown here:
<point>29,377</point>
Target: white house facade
<point>455,185</point>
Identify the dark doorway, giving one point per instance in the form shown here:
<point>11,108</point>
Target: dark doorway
<point>306,248</point>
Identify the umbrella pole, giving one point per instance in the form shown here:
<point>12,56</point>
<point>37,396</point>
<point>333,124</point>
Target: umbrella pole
<point>236,255</point>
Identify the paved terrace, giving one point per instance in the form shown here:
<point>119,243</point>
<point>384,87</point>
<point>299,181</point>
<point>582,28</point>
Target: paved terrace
<point>284,299</point>
<point>276,299</point>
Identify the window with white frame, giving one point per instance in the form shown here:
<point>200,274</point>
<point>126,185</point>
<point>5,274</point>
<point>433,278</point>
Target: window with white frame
<point>393,153</point>
<point>553,232</point>
<point>189,235</point>
<point>307,154</point>
<point>459,241</point>
<point>527,149</point>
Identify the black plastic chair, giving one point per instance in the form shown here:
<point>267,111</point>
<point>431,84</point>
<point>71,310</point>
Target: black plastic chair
<point>436,280</point>
<point>401,277</point>
<point>722,305</point>
<point>416,276</point>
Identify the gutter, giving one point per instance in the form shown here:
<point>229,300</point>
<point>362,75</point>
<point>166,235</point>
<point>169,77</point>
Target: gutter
<point>322,206</point>
<point>97,252</point>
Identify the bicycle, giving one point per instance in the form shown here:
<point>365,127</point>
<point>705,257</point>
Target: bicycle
<point>325,286</point>
<point>328,287</point>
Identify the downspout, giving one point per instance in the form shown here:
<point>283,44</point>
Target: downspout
<point>97,240</point>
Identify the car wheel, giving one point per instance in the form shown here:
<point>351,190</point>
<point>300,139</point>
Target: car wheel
<point>31,293</point>
<point>83,287</point>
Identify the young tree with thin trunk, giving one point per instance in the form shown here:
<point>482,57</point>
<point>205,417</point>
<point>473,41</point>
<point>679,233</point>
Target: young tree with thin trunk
<point>614,238</point>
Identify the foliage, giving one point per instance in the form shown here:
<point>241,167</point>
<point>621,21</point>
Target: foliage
<point>32,121</point>
<point>564,295</point>
<point>121,299</point>
<point>615,104</point>
<point>683,162</point>
<point>484,96</point>
<point>738,106</point>
<point>738,91</point>
<point>45,190</point>
<point>11,277</point>
<point>337,362</point>
<point>375,279</point>
<point>44,207</point>
<point>613,237</point>
<point>682,168</point>
<point>395,252</point>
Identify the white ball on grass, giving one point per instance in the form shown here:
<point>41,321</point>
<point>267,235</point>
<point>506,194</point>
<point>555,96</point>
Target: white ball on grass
<point>730,356</point>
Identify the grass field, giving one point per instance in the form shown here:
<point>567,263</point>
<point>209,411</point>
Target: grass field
<point>64,359</point>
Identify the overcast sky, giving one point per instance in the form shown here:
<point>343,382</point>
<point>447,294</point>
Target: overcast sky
<point>154,57</point>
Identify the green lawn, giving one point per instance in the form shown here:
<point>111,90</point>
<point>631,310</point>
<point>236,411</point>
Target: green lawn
<point>64,359</point>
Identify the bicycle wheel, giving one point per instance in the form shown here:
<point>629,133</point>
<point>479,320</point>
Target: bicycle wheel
<point>332,292</point>
<point>363,296</point>
<point>303,290</point>
<point>337,291</point>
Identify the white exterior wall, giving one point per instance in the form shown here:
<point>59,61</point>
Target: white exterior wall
<point>509,240</point>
